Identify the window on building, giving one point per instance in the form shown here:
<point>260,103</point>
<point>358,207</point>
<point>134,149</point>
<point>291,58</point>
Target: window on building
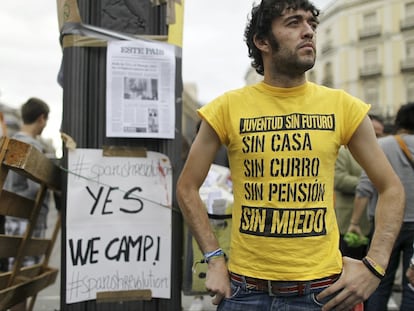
<point>328,42</point>
<point>371,96</point>
<point>408,21</point>
<point>370,57</point>
<point>327,75</point>
<point>409,10</point>
<point>370,19</point>
<point>370,26</point>
<point>410,90</point>
<point>410,49</point>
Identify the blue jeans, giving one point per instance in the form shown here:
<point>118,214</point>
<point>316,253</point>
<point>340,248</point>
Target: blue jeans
<point>243,299</point>
<point>403,245</point>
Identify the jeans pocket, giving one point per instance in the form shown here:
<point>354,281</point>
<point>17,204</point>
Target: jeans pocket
<point>316,301</point>
<point>235,290</point>
<point>322,302</point>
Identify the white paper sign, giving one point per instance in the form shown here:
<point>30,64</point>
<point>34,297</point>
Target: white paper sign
<point>118,220</point>
<point>140,89</point>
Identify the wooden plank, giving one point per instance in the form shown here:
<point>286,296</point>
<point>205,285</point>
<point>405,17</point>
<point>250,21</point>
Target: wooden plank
<point>12,295</point>
<point>124,295</point>
<point>12,204</point>
<point>29,161</point>
<point>123,151</point>
<point>24,246</point>
<point>25,272</point>
<point>22,282</point>
<point>3,170</point>
<point>9,246</point>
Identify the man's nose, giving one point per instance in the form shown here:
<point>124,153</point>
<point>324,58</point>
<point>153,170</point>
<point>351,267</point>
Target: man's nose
<point>308,31</point>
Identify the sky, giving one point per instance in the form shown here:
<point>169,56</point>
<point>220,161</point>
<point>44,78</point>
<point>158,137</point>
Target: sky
<point>214,53</point>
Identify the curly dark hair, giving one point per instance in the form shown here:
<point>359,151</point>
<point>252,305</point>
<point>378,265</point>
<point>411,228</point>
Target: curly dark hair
<point>260,24</point>
<point>405,117</point>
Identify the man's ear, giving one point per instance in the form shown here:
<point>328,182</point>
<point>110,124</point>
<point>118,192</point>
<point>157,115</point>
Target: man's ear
<point>261,43</point>
<point>42,118</point>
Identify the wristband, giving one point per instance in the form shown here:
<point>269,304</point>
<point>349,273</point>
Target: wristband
<point>217,253</point>
<point>375,268</point>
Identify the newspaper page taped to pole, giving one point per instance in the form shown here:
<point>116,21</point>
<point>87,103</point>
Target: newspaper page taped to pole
<point>140,89</point>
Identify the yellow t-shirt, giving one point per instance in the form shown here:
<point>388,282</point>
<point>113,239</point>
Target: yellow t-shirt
<point>282,146</point>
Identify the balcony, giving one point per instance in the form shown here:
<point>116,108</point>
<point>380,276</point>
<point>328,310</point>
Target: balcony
<point>407,23</point>
<point>369,32</point>
<point>407,65</point>
<point>370,71</point>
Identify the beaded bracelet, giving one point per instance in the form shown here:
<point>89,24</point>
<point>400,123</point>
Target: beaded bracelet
<point>207,256</point>
<point>217,253</point>
<point>375,268</point>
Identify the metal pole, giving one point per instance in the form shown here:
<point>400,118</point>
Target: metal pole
<point>84,84</point>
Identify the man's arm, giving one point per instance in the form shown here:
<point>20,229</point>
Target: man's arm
<point>200,157</point>
<point>357,282</point>
<point>391,197</point>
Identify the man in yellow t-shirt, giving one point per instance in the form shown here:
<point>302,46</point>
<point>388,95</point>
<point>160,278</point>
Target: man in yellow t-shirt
<point>282,137</point>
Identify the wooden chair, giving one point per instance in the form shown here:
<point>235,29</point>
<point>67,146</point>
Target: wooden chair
<point>23,282</point>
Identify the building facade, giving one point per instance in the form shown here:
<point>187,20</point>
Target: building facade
<point>366,47</point>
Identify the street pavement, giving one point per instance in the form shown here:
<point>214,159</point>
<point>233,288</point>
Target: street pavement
<point>49,298</point>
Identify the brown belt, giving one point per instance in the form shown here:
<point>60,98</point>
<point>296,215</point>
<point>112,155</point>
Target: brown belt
<point>280,288</point>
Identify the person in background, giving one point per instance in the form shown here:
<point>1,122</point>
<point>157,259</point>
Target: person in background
<point>34,113</point>
<point>367,197</point>
<point>409,273</point>
<point>282,137</point>
<point>378,125</point>
<point>347,173</point>
<point>3,132</point>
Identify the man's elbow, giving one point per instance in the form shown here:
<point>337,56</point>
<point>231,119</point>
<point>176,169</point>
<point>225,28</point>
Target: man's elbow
<point>180,191</point>
<point>183,189</point>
